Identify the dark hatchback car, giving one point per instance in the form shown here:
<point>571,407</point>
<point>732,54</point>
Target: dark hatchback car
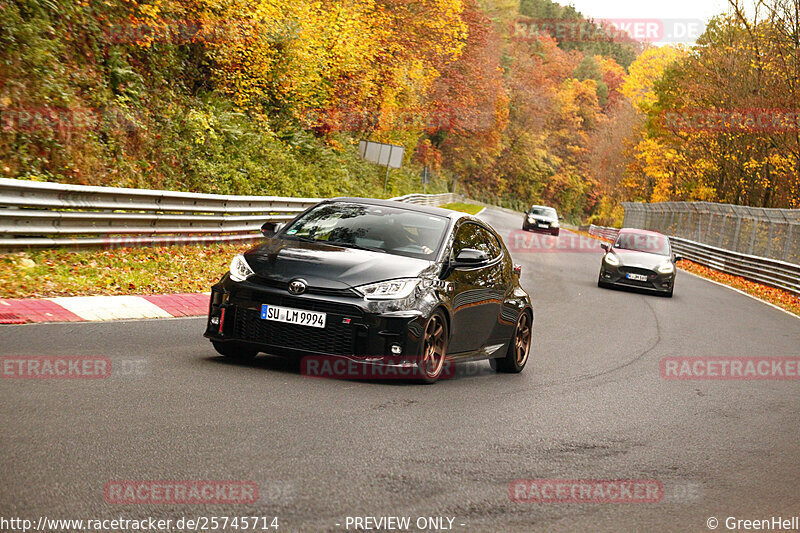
<point>542,219</point>
<point>639,259</point>
<point>377,282</point>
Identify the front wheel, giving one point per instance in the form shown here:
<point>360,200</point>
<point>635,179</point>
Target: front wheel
<point>434,349</point>
<point>520,347</point>
<point>234,351</point>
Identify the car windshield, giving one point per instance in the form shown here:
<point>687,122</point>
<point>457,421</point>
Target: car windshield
<point>544,211</point>
<point>650,243</point>
<point>374,227</point>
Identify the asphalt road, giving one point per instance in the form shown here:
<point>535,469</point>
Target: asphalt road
<point>590,405</point>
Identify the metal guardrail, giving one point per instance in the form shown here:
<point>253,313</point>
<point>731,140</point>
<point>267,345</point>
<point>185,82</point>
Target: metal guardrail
<point>47,215</point>
<point>764,270</point>
<point>603,232</point>
<point>430,199</point>
<point>756,231</point>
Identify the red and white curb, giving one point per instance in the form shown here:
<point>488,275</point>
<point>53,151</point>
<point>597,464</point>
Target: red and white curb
<point>102,308</point>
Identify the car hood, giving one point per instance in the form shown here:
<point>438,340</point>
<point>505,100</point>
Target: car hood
<point>329,266</point>
<point>632,258</point>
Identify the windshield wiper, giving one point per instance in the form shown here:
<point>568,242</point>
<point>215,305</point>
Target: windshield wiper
<point>354,245</point>
<point>300,238</point>
<point>335,243</point>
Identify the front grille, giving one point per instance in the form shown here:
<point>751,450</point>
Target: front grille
<point>268,282</point>
<point>635,270</point>
<point>335,338</point>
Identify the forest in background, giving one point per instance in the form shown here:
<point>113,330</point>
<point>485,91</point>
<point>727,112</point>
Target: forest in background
<point>272,96</point>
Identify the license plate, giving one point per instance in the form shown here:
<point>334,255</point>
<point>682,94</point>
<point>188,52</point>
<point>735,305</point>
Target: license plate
<point>544,226</point>
<point>293,316</point>
<point>637,277</point>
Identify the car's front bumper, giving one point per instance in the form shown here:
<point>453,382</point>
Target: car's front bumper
<point>534,226</point>
<point>352,330</point>
<point>617,275</point>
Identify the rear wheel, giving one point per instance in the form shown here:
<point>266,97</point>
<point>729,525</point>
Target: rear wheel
<point>520,347</point>
<point>434,348</point>
<point>235,351</point>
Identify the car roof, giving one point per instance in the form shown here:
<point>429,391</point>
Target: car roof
<point>430,210</point>
<point>640,231</point>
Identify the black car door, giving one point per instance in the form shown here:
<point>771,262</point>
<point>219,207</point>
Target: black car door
<point>477,291</point>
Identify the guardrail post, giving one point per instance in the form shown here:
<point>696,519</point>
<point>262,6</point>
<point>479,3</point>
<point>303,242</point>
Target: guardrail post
<point>788,241</point>
<point>753,236</point>
<point>699,227</point>
<point>769,239</point>
<point>736,233</point>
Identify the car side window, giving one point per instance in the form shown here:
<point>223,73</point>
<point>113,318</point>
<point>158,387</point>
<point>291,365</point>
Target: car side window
<point>471,235</point>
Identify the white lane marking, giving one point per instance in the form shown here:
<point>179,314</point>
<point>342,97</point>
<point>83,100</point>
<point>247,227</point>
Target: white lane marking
<point>756,298</point>
<point>100,308</point>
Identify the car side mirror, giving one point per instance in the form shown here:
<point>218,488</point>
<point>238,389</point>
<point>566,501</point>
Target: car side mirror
<point>678,258</point>
<point>604,246</point>
<point>469,257</point>
<point>560,217</point>
<point>269,229</point>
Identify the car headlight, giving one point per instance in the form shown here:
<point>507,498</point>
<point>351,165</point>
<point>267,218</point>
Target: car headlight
<point>240,270</point>
<point>666,268</point>
<point>612,259</point>
<point>554,224</point>
<point>531,219</point>
<point>394,289</point>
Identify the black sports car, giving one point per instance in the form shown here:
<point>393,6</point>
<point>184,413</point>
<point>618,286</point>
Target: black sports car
<point>542,219</point>
<point>377,282</point>
<point>639,259</point>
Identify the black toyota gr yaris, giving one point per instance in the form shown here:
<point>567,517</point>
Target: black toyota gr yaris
<point>379,283</point>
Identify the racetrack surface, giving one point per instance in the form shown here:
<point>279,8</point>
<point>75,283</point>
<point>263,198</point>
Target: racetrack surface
<point>591,404</point>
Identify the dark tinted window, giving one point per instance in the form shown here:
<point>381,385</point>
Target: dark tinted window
<point>473,236</point>
<point>643,242</point>
<point>543,211</point>
<point>389,229</point>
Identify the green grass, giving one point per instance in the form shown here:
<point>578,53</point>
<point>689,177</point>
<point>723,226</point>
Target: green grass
<point>472,209</point>
<point>177,269</point>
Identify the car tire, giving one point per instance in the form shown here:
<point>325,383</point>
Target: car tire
<point>557,233</point>
<point>519,348</point>
<point>668,294</point>
<point>434,349</point>
<point>235,351</point>
<point>524,227</point>
<point>601,284</point>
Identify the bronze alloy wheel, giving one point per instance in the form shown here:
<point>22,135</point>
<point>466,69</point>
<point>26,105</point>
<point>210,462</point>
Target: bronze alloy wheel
<point>522,339</point>
<point>519,347</point>
<point>434,347</point>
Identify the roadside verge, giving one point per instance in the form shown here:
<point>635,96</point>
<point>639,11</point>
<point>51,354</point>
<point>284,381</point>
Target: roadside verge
<point>102,308</point>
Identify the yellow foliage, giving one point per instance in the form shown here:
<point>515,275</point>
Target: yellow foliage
<point>646,70</point>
